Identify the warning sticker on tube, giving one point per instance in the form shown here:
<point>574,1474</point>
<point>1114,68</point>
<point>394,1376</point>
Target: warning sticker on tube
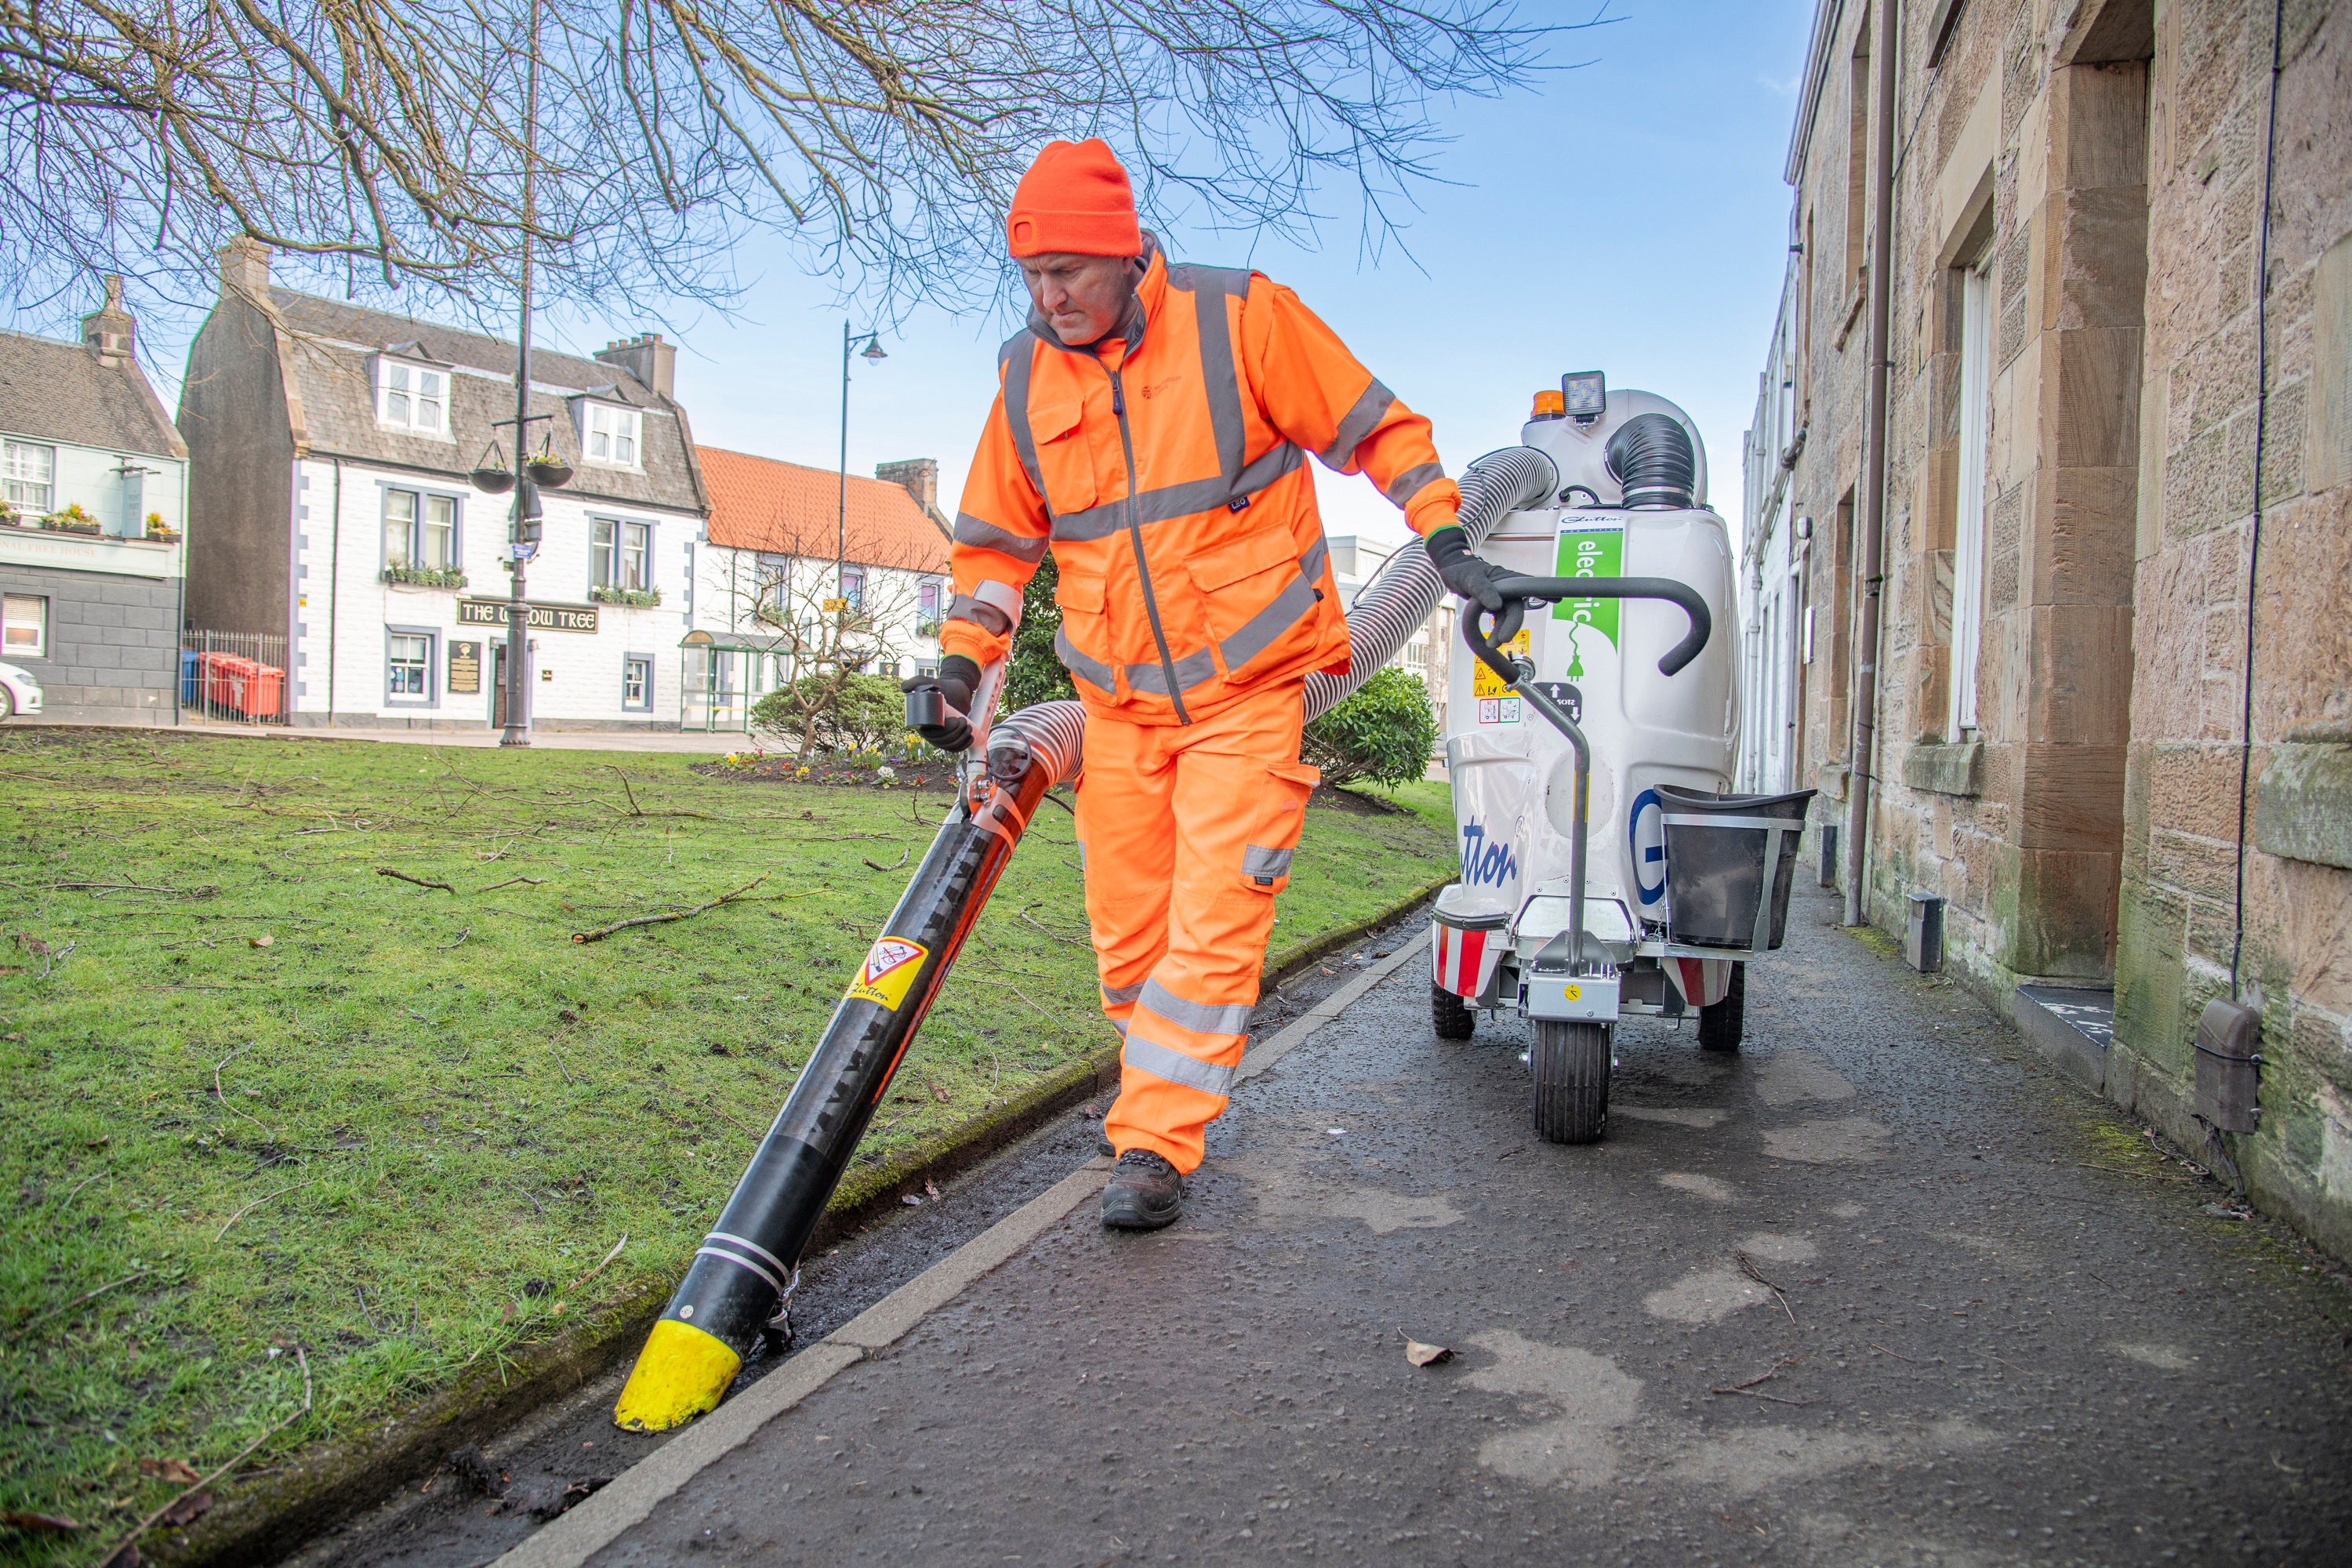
<point>888,971</point>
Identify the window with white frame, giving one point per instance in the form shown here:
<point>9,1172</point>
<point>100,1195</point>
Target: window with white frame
<point>25,625</point>
<point>853,586</point>
<point>29,472</point>
<point>420,530</point>
<point>412,397</point>
<point>610,434</point>
<point>637,682</point>
<point>930,607</point>
<point>1968,552</point>
<point>621,554</point>
<point>408,666</point>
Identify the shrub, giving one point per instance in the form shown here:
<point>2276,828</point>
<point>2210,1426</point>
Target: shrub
<point>1032,671</point>
<point>851,712</point>
<point>1383,733</point>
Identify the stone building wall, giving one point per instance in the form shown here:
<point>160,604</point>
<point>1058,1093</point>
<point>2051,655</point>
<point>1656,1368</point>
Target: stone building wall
<point>2102,164</point>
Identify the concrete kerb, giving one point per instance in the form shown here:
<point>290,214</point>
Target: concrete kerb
<point>330,1484</point>
<point>595,1524</point>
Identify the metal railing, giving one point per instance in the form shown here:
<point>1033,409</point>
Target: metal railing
<point>234,677</point>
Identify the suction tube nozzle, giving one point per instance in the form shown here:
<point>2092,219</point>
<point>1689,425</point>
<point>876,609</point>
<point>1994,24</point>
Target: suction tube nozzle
<point>743,1273</point>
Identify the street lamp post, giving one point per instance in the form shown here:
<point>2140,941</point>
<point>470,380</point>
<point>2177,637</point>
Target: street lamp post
<point>872,354</point>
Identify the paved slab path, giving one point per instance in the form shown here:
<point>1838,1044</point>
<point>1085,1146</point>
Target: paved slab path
<point>1949,1335</point>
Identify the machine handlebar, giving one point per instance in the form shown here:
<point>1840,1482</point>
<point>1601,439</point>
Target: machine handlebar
<point>1520,592</point>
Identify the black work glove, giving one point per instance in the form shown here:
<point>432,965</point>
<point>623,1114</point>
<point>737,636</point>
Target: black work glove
<point>954,683</point>
<point>1473,579</point>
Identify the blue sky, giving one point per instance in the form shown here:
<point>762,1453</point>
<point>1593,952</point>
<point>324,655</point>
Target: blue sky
<point>1629,216</point>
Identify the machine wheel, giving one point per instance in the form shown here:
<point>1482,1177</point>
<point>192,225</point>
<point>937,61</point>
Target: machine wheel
<point>1721,1025</point>
<point>1449,1015</point>
<point>1571,1062</point>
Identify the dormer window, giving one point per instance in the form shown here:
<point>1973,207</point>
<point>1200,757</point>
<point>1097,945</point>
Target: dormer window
<point>411,398</point>
<point>610,435</point>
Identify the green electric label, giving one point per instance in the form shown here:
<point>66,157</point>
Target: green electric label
<point>1587,551</point>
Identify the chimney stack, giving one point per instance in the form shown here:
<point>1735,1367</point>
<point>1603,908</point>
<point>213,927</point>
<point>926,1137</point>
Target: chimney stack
<point>245,270</point>
<point>647,358</point>
<point>106,331</point>
<point>920,478</point>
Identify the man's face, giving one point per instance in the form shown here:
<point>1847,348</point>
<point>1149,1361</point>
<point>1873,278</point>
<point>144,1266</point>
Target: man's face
<point>1081,297</point>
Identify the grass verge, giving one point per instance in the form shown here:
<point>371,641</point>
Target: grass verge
<point>268,1098</point>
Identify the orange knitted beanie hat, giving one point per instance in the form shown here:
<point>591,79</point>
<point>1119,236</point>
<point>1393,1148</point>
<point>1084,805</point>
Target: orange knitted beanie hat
<point>1074,198</point>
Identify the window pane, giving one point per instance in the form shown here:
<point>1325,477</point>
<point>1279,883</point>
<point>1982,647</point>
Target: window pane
<point>625,438</point>
<point>853,588</point>
<point>600,443</point>
<point>428,400</point>
<point>930,603</point>
<point>26,622</point>
<point>411,658</point>
<point>635,675</point>
<point>600,555</point>
<point>440,531</point>
<point>634,571</point>
<point>399,527</point>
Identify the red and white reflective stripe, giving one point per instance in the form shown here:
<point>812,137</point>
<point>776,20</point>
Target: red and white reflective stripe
<point>1703,981</point>
<point>1465,959</point>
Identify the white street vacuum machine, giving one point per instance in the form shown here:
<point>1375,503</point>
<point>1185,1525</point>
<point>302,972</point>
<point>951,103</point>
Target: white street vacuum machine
<point>1606,871</point>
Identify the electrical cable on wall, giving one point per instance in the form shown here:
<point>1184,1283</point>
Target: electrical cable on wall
<point>2254,540</point>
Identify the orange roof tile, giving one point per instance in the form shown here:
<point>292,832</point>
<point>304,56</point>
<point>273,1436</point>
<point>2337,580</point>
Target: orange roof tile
<point>788,509</point>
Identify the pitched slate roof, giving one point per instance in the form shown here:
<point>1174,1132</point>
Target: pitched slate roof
<point>56,391</point>
<point>331,345</point>
<point>787,508</point>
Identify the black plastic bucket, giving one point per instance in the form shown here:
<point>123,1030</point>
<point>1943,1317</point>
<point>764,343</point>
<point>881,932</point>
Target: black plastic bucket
<point>1719,849</point>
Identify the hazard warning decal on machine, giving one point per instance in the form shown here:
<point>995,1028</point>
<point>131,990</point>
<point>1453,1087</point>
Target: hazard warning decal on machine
<point>1466,959</point>
<point>888,970</point>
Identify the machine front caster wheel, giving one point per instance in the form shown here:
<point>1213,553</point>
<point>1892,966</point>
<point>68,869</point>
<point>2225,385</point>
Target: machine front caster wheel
<point>1721,1025</point>
<point>1571,1062</point>
<point>1450,1016</point>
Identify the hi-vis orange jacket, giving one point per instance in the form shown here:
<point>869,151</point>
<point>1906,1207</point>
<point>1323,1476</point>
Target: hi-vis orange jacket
<point>1165,470</point>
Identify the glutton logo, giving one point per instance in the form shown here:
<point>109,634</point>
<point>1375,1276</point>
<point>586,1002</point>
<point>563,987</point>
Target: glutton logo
<point>1645,825</point>
<point>1484,859</point>
<point>888,971</point>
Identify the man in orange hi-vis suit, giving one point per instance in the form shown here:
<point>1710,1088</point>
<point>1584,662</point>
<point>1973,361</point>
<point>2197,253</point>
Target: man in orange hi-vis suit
<point>1152,427</point>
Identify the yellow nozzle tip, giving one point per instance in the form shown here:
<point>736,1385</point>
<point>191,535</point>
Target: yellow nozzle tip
<point>680,1373</point>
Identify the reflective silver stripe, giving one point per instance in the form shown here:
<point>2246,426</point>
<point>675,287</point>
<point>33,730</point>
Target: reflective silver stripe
<point>748,1245</point>
<point>1259,861</point>
<point>1017,355</point>
<point>1191,670</point>
<point>964,607</point>
<point>1176,1067</point>
<point>1082,853</point>
<point>1206,1017</point>
<point>1113,996</point>
<point>1310,566</point>
<point>1186,498</point>
<point>1079,665</point>
<point>1219,378</point>
<point>1191,274</point>
<point>1121,1025</point>
<point>1357,424</point>
<point>1260,632</point>
<point>1407,485</point>
<point>969,529</point>
<point>743,1263</point>
<point>1001,597</point>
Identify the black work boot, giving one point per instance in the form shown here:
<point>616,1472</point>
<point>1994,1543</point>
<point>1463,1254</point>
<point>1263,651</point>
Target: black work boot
<point>1144,1193</point>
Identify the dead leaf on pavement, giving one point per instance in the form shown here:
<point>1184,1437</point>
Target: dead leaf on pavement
<point>53,1523</point>
<point>188,1508</point>
<point>177,1471</point>
<point>1420,1355</point>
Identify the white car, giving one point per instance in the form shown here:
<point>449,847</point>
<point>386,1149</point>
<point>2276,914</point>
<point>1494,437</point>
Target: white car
<point>19,692</point>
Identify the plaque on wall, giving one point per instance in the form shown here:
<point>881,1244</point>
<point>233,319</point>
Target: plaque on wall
<point>464,670</point>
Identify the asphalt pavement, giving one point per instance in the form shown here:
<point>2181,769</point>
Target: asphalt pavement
<point>1877,1290</point>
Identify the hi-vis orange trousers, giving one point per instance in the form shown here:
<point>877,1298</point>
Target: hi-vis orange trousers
<point>1186,833</point>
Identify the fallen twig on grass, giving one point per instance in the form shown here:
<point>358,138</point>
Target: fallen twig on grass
<point>122,1546</point>
<point>217,1095</point>
<point>509,882</point>
<point>636,810</point>
<point>1064,805</point>
<point>1058,936</point>
<point>1748,1267</point>
<point>420,882</point>
<point>600,1268</point>
<point>559,1063</point>
<point>203,892</point>
<point>601,932</point>
<point>1014,989</point>
<point>901,861</point>
<point>445,946</point>
<point>26,1325</point>
<point>258,1202</point>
